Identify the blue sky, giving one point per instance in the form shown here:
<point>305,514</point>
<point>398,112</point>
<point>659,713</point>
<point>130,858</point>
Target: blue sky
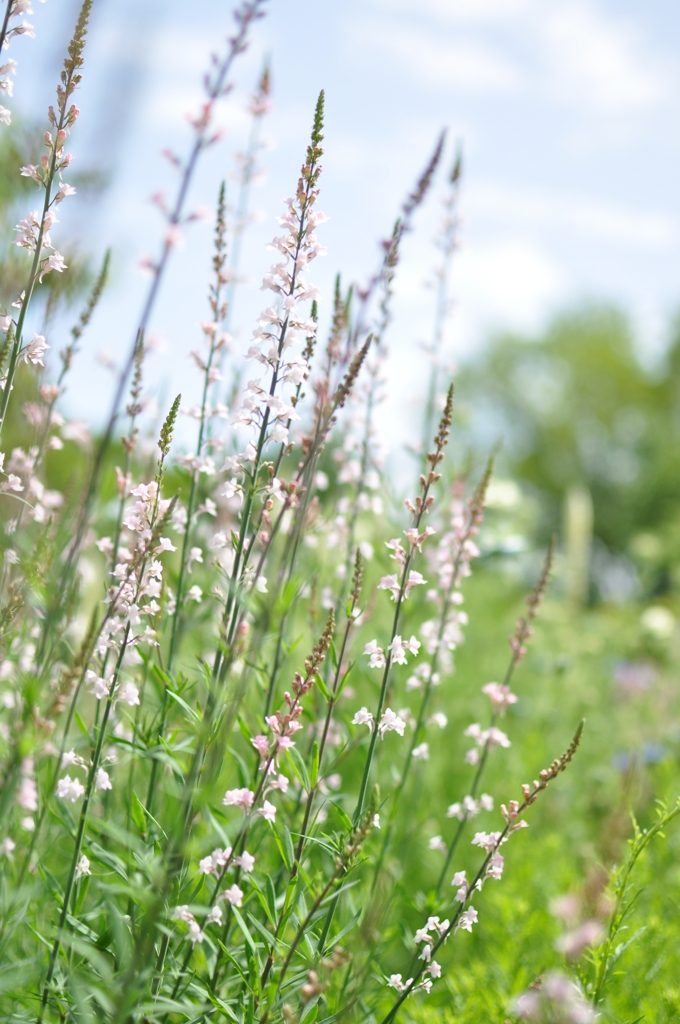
<point>567,112</point>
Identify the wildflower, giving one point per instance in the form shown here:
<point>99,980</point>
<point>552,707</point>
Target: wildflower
<point>495,868</point>
<point>363,717</point>
<point>467,919</point>
<point>215,916</point>
<point>500,696</point>
<point>435,970</point>
<point>398,651</point>
<point>261,744</point>
<point>70,789</point>
<point>53,262</point>
<point>487,840</point>
<point>245,861</point>
<point>242,798</point>
<point>437,843</point>
<point>486,802</point>
<point>376,654</point>
<point>390,722</point>
<point>35,350</point>
<point>395,982</point>
<point>268,811</point>
<point>27,795</point>
<point>83,867</point>
<point>7,848</point>
<point>414,580</point>
<point>422,752</point>
<point>497,738</point>
<point>376,821</point>
<point>455,811</point>
<point>195,594</point>
<point>390,583</point>
<point>195,555</point>
<point>438,718</point>
<point>233,895</point>
<point>102,781</point>
<point>573,943</point>
<point>128,693</point>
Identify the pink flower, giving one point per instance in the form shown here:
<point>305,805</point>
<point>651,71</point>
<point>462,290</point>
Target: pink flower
<point>414,580</point>
<point>500,696</point>
<point>246,862</point>
<point>487,840</point>
<point>267,811</point>
<point>261,744</point>
<point>233,895</point>
<point>390,583</point>
<point>242,798</point>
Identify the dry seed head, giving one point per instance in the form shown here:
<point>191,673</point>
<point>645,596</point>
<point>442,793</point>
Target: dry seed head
<point>350,377</point>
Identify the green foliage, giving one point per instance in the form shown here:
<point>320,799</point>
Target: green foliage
<point>576,407</point>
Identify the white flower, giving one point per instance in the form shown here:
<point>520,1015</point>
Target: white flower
<point>398,651</point>
<point>215,916</point>
<point>53,262</point>
<point>261,584</point>
<point>35,350</point>
<point>363,717</point>
<point>195,594</point>
<point>376,654</point>
<point>486,802</point>
<point>438,718</point>
<point>435,970</point>
<point>70,789</point>
<point>267,811</point>
<point>233,895</point>
<point>7,846</point>
<point>376,821</point>
<point>83,867</point>
<point>437,843</point>
<point>391,722</point>
<point>102,781</point>
<point>467,919</point>
<point>128,693</point>
<point>422,752</point>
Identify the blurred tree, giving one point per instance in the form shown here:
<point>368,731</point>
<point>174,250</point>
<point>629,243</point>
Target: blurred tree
<point>575,408</point>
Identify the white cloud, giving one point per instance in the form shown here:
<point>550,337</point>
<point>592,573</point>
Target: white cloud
<point>578,216</point>
<point>512,283</point>
<point>464,64</point>
<point>581,54</point>
<point>598,62</point>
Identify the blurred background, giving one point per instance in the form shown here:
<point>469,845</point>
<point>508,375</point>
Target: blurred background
<point>565,286</point>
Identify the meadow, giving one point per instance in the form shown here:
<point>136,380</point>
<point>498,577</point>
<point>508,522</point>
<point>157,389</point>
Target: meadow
<point>288,735</point>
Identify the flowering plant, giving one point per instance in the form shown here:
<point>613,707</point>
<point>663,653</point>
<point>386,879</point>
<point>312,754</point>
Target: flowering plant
<point>198,820</point>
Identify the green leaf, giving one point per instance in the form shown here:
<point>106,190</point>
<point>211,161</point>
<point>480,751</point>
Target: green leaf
<point>299,768</point>
<point>244,928</point>
<point>81,724</point>
<point>183,704</point>
<point>322,686</point>
<point>137,812</point>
